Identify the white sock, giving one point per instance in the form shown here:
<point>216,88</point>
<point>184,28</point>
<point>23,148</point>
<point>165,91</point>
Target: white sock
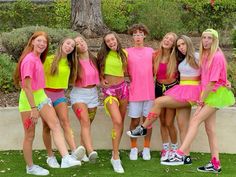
<point>174,146</point>
<point>166,146</point>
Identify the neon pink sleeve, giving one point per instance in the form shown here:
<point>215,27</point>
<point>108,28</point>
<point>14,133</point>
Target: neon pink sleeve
<point>216,68</point>
<point>27,69</point>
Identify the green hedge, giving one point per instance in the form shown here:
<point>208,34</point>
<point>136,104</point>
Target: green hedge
<point>200,15</point>
<point>7,67</point>
<point>22,13</point>
<point>160,16</point>
<point>15,41</point>
<point>234,38</point>
<point>232,74</point>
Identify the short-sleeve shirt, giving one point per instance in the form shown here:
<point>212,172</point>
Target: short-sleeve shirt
<point>61,79</point>
<point>31,66</point>
<point>90,75</point>
<point>217,71</point>
<point>141,72</point>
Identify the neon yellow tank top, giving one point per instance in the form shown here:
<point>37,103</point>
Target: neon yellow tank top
<point>59,80</point>
<point>113,64</point>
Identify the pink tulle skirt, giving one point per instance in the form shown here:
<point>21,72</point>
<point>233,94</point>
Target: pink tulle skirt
<point>185,93</point>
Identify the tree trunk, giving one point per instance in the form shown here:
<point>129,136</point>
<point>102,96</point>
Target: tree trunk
<point>86,17</point>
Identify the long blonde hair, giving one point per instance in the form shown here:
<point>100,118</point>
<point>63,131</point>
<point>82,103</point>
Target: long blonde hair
<point>190,57</point>
<point>71,58</point>
<point>172,61</point>
<point>214,48</point>
<point>29,48</point>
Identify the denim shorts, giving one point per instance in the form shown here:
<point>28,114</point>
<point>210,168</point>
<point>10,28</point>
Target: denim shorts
<point>57,97</point>
<point>88,96</point>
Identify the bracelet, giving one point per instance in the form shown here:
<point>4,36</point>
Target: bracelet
<point>32,107</point>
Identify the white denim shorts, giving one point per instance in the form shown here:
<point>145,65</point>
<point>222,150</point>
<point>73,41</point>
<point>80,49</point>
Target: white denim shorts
<point>88,96</point>
<point>139,109</point>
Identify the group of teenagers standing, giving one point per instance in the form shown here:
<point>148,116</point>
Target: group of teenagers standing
<point>149,84</point>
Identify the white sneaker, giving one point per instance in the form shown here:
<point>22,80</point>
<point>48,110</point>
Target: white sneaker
<point>37,170</point>
<point>79,153</point>
<point>52,162</point>
<point>164,155</point>
<point>117,165</point>
<point>85,158</point>
<point>93,156</point>
<point>133,155</point>
<point>146,154</point>
<point>69,161</point>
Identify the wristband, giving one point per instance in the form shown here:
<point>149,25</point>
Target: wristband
<point>32,107</point>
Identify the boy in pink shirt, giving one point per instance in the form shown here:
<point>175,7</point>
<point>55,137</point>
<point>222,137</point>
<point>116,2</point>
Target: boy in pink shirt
<point>141,93</point>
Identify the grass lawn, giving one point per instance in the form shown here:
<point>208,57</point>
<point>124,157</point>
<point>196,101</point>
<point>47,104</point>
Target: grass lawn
<point>13,165</point>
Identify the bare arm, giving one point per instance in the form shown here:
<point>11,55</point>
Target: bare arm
<point>29,94</point>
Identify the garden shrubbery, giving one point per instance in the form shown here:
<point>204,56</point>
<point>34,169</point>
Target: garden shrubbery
<point>22,13</point>
<point>120,14</point>
<point>7,68</point>
<point>15,41</point>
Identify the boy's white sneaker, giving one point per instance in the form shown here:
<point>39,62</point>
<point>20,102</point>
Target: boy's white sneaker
<point>146,154</point>
<point>52,162</point>
<point>69,161</point>
<point>116,164</point>
<point>133,155</point>
<point>79,153</point>
<point>37,170</point>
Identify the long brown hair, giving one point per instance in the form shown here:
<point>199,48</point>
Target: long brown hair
<point>29,48</point>
<point>92,60</point>
<point>172,61</point>
<point>103,52</point>
<point>71,58</point>
<point>190,53</point>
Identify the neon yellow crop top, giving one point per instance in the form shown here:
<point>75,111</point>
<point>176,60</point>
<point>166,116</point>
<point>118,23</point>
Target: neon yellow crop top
<point>59,80</point>
<point>113,64</point>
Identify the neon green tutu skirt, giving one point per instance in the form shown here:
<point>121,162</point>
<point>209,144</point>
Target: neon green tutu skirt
<point>221,98</point>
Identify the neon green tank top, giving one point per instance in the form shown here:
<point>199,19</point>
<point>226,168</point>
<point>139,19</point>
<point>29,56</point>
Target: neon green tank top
<point>59,80</point>
<point>113,64</point>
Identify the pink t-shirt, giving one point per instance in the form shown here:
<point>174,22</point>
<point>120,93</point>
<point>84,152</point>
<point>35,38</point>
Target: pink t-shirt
<point>90,75</point>
<point>31,66</point>
<point>216,72</point>
<point>141,72</point>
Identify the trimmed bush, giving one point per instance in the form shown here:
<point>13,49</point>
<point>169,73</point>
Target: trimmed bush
<point>23,13</point>
<point>200,15</point>
<point>15,41</point>
<point>232,74</point>
<point>234,38</point>
<point>118,15</point>
<point>7,67</point>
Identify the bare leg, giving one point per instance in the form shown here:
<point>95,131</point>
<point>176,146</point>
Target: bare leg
<point>210,127</point>
<point>205,113</point>
<point>86,137</point>
<point>50,117</point>
<point>62,113</point>
<point>28,139</point>
<point>117,115</point>
<point>163,102</point>
<point>47,139</point>
<point>183,122</point>
<point>169,122</point>
<point>134,123</point>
